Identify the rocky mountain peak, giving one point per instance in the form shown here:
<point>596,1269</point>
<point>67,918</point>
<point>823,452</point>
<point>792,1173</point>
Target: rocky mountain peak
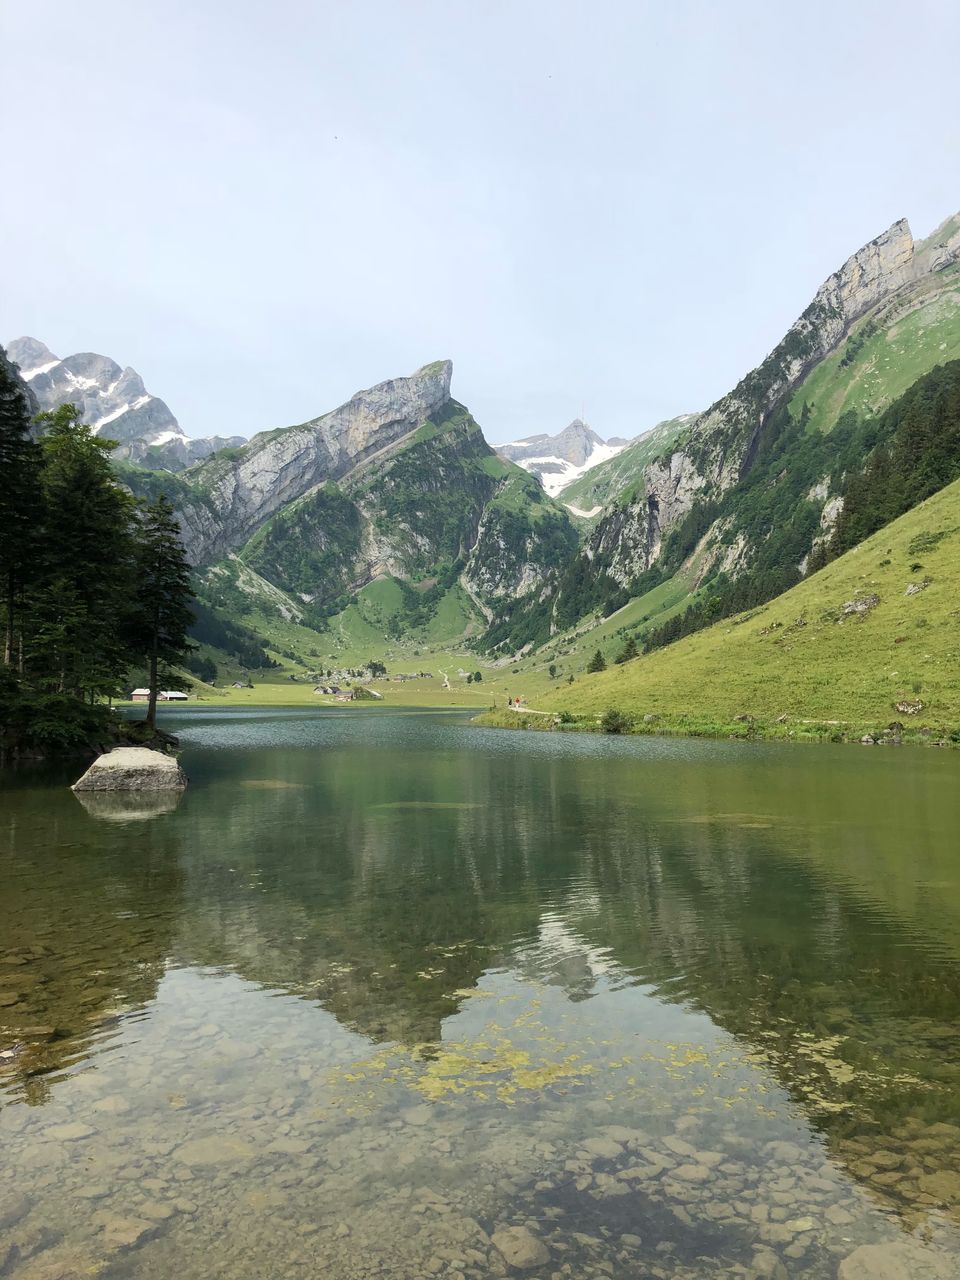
<point>277,467</point>
<point>881,266</point>
<point>113,402</point>
<point>32,356</point>
<point>558,460</point>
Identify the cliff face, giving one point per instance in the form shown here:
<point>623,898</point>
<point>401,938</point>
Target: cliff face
<point>717,448</point>
<point>19,387</point>
<point>114,403</point>
<point>398,483</point>
<point>240,491</point>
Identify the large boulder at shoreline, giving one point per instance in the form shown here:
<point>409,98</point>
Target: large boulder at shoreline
<point>132,769</point>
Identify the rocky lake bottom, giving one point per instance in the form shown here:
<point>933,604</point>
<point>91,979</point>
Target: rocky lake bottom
<point>387,995</point>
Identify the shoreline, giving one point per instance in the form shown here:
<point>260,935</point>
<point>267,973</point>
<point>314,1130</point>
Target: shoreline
<point>788,729</point>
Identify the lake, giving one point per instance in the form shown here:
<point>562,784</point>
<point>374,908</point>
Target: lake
<point>387,995</point>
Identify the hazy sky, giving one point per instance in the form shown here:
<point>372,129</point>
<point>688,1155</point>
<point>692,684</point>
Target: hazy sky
<point>609,206</point>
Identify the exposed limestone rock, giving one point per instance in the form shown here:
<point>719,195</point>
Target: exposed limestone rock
<point>861,606</point>
<point>132,769</point>
<point>722,441</point>
<point>277,467</point>
<point>114,403</point>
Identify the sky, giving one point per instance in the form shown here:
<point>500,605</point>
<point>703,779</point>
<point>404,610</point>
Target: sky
<point>611,208</point>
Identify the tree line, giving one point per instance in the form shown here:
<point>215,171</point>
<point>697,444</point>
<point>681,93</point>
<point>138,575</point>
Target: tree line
<point>93,583</point>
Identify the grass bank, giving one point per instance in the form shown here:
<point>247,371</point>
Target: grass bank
<point>869,642</point>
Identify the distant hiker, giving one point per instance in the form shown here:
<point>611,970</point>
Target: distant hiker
<point>509,702</point>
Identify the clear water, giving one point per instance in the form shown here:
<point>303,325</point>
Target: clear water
<point>381,985</point>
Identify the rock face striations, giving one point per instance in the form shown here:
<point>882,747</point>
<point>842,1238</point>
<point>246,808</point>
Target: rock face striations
<point>114,403</point>
<point>240,492</point>
<point>397,483</point>
<point>132,769</point>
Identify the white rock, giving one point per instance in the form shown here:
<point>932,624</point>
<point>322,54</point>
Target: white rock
<point>132,769</point>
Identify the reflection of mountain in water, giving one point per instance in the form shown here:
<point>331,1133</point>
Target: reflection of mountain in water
<point>577,877</point>
<point>778,901</point>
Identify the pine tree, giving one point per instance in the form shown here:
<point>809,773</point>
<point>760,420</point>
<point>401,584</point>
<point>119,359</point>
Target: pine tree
<point>628,651</point>
<point>597,663</point>
<point>19,506</point>
<point>78,646</point>
<point>162,614</point>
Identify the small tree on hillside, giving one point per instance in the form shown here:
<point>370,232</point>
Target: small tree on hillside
<point>628,651</point>
<point>162,612</point>
<point>597,663</point>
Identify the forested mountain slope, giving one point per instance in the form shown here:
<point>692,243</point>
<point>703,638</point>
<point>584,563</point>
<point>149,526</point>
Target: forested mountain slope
<point>890,314</point>
<point>397,483</point>
<point>871,640</point>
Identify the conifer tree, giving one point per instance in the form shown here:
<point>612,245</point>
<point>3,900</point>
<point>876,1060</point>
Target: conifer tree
<point>628,651</point>
<point>163,594</point>
<point>19,506</point>
<point>78,646</point>
<point>597,663</point>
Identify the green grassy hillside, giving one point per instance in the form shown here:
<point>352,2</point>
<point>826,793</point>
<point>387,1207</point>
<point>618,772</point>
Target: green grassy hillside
<point>885,353</point>
<point>808,655</point>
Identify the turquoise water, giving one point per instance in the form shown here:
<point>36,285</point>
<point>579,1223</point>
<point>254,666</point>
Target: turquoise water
<point>380,987</point>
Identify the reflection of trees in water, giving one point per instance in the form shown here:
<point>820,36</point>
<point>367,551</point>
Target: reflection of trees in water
<point>381,906</point>
<point>89,910</point>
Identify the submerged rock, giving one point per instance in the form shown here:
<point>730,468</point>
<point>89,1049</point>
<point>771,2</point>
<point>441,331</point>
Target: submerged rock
<point>214,1150</point>
<point>520,1248</point>
<point>132,769</point>
<point>897,1262</point>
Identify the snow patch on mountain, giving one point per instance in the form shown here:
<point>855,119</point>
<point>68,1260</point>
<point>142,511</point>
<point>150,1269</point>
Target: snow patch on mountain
<point>111,397</point>
<point>556,473</point>
<point>40,368</point>
<point>558,460</point>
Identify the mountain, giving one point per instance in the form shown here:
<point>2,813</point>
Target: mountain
<point>557,461</point>
<point>397,484</point>
<point>587,495</point>
<point>868,641</point>
<point>114,403</point>
<point>753,485</point>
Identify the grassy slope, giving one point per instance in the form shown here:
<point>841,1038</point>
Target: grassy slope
<point>889,362</point>
<point>764,665</point>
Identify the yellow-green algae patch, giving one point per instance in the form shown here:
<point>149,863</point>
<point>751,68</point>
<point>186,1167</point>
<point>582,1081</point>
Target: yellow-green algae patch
<point>519,1062</point>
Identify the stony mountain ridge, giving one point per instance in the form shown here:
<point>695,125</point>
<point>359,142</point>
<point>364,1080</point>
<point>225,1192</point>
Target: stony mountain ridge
<point>114,403</point>
<point>716,449</point>
<point>396,483</point>
<point>558,460</point>
<point>239,492</point>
